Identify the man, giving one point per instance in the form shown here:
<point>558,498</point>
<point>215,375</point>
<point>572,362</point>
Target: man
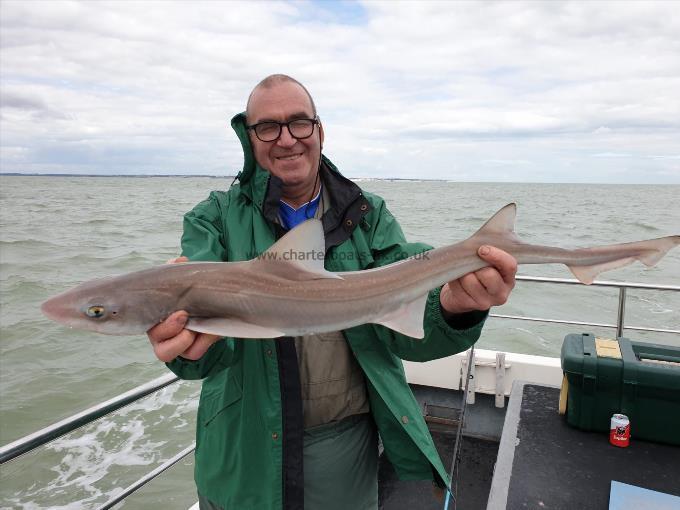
<point>292,423</point>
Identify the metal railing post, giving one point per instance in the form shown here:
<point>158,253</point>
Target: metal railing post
<point>621,313</point>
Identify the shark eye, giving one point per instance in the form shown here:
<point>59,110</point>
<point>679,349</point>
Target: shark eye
<point>95,312</point>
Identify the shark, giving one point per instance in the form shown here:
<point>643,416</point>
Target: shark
<point>286,291</point>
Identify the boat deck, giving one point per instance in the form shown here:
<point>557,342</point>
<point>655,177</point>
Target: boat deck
<point>481,436</point>
<point>545,463</point>
<point>477,460</point>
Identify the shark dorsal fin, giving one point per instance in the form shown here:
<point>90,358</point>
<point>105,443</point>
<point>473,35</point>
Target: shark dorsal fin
<point>299,254</point>
<point>502,222</point>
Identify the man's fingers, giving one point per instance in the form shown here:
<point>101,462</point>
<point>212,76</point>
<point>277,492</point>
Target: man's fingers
<point>502,261</point>
<point>169,327</point>
<point>178,260</point>
<point>491,279</point>
<point>475,291</point>
<point>487,287</point>
<point>169,349</point>
<point>200,346</point>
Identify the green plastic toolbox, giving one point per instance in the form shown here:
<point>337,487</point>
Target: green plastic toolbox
<point>641,380</point>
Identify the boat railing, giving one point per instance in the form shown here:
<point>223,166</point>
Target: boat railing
<point>32,441</point>
<point>621,312</point>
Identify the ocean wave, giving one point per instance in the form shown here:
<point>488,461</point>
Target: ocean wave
<point>90,465</point>
<point>645,226</point>
<point>94,221</point>
<point>29,243</point>
<point>22,294</point>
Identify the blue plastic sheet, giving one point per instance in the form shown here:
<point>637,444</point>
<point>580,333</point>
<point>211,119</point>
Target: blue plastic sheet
<point>629,497</point>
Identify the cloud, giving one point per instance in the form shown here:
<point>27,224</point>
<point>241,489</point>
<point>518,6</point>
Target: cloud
<point>18,106</point>
<point>405,89</point>
<point>611,155</point>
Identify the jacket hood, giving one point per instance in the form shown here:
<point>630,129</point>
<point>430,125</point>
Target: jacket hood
<point>238,124</point>
<point>253,179</point>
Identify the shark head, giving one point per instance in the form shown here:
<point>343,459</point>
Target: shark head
<point>108,305</point>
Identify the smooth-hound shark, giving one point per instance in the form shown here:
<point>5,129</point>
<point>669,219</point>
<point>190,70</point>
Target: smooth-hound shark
<point>287,292</point>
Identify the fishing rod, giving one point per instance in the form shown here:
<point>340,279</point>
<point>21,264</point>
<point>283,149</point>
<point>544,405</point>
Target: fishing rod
<point>453,494</point>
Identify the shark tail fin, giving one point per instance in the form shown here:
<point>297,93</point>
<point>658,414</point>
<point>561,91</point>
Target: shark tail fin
<point>658,249</point>
<point>647,252</point>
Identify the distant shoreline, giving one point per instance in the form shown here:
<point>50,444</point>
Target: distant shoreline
<point>18,174</point>
<point>362,178</point>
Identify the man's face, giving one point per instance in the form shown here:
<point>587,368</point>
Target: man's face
<point>293,161</point>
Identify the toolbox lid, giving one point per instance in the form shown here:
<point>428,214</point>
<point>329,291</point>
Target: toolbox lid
<point>654,365</point>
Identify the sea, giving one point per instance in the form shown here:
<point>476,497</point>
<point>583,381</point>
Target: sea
<point>59,231</point>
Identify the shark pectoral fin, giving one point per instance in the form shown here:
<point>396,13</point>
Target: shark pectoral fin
<point>408,319</point>
<point>587,274</point>
<point>231,327</point>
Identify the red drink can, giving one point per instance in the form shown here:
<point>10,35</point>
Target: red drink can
<point>619,431</point>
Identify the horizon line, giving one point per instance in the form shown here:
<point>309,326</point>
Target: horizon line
<point>212,176</point>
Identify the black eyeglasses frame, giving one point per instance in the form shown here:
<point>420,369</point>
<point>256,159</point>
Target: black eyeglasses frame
<point>315,122</point>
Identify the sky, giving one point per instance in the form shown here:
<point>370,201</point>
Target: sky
<point>462,91</point>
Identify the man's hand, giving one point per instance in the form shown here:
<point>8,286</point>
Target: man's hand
<point>169,339</point>
<point>486,287</point>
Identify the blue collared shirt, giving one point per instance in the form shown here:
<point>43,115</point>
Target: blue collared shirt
<point>291,217</point>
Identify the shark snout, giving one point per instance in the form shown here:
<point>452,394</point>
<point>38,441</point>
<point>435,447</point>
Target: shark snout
<point>57,309</point>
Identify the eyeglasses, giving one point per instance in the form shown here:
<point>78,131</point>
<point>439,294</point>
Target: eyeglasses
<point>270,130</point>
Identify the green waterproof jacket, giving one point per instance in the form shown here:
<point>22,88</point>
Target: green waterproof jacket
<point>248,437</point>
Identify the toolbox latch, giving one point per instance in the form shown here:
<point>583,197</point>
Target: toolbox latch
<point>589,378</point>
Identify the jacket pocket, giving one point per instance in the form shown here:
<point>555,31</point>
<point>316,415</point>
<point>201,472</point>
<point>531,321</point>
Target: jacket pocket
<point>214,402</point>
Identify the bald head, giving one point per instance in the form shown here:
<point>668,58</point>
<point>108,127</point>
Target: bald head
<point>271,81</point>
<point>279,99</point>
